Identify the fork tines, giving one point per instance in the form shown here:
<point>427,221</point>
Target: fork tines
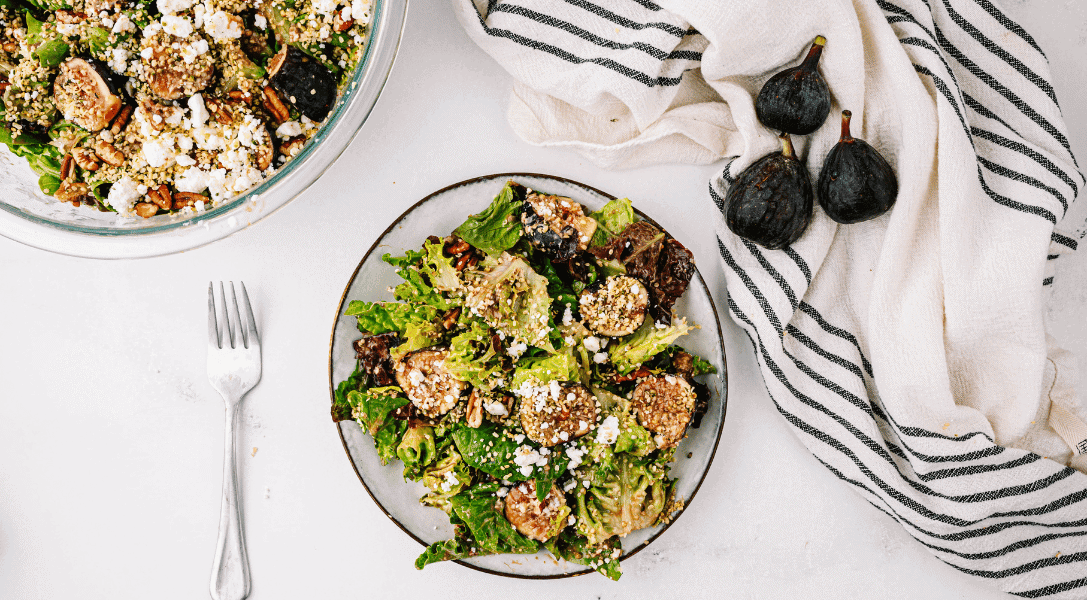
<point>235,329</point>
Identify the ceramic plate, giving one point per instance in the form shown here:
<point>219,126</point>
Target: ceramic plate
<point>439,214</point>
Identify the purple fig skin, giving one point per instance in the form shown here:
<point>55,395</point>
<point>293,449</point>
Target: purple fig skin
<point>796,100</point>
<point>855,183</point>
<point>771,201</point>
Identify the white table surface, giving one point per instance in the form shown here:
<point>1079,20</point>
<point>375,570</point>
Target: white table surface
<point>111,437</point>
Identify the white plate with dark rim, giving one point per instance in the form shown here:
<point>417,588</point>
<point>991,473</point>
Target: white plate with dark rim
<point>438,214</point>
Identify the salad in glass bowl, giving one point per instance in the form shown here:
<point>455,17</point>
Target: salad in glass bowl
<point>531,376</point>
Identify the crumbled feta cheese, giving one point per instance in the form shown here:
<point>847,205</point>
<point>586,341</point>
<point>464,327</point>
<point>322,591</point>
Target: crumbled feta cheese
<point>450,481</point>
<point>169,7</point>
<point>576,455</point>
<point>608,431</point>
<point>223,26</point>
<point>157,152</point>
<point>193,179</point>
<point>600,357</point>
<point>67,29</point>
<point>199,113</point>
<point>502,491</point>
<point>360,11</point>
<point>325,7</point>
<point>289,129</point>
<point>591,343</point>
<point>260,22</point>
<point>516,350</point>
<point>189,52</point>
<point>495,408</point>
<point>177,26</point>
<point>123,195</point>
<point>123,25</point>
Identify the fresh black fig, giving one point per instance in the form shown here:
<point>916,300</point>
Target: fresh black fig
<point>770,202</point>
<point>855,183</point>
<point>307,84</point>
<point>796,100</point>
<point>86,94</point>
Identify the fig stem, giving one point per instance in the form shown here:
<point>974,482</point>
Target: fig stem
<point>814,52</point>
<point>846,136</point>
<point>786,145</point>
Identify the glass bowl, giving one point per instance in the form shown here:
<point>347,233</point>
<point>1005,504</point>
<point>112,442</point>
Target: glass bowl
<point>30,217</point>
<point>438,214</point>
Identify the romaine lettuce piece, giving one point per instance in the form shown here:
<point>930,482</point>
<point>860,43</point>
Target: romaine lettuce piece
<point>631,496</point>
<point>512,298</point>
<point>383,317</point>
<point>417,448</point>
<point>616,216</point>
<point>498,228</point>
<point>486,449</point>
<point>603,557</point>
<point>476,506</point>
<point>630,352</point>
<point>445,478</point>
<point>371,407</point>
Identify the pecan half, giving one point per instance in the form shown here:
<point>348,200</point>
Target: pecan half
<point>183,199</point>
<point>146,209</point>
<point>293,146</point>
<point>71,191</point>
<point>274,105</point>
<point>161,197</point>
<point>449,320</point>
<point>68,16</point>
<point>218,109</point>
<point>67,166</point>
<point>86,159</point>
<point>121,120</point>
<point>109,153</point>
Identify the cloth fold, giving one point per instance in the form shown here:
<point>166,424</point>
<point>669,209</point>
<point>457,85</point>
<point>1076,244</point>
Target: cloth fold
<point>909,352</point>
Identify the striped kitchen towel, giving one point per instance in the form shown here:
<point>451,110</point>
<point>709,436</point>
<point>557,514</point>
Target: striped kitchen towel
<point>908,353</point>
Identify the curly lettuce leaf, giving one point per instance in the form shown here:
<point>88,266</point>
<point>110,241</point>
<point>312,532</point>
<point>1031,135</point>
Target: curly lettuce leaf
<point>472,357</point>
<point>649,340</point>
<point>341,407</point>
<point>410,258</point>
<point>446,478</point>
<point>498,227</point>
<point>382,317</point>
<point>415,289</point>
<point>602,557</point>
<point>439,269</point>
<point>611,220</point>
<point>558,367</point>
<point>512,298</point>
<point>417,448</point>
<point>417,335</point>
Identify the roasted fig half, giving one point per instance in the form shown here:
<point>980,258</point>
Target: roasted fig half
<point>303,81</point>
<point>856,183</point>
<point>771,201</point>
<point>796,100</point>
<point>615,306</point>
<point>556,225</point>
<point>175,69</point>
<point>85,93</point>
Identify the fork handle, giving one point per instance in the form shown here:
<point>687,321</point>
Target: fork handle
<point>230,573</point>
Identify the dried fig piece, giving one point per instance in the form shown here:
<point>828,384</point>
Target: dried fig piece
<point>856,183</point>
<point>796,100</point>
<point>307,84</point>
<point>86,94</point>
<point>771,201</point>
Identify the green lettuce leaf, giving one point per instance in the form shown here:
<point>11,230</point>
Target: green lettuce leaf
<point>630,352</point>
<point>603,557</point>
<point>371,407</point>
<point>341,407</point>
<point>477,508</point>
<point>383,317</point>
<point>416,449</point>
<point>616,216</point>
<point>417,335</point>
<point>411,258</point>
<point>558,367</point>
<point>512,298</point>
<point>631,496</point>
<point>439,269</point>
<point>496,229</point>
<point>472,357</point>
<point>486,449</point>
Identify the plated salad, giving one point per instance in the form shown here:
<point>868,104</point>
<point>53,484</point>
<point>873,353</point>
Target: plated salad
<point>146,107</point>
<point>530,376</point>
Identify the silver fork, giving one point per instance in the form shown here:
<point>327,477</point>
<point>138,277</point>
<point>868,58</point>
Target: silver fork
<point>233,370</point>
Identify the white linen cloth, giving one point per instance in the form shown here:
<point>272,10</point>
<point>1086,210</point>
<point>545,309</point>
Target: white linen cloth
<point>909,352</point>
